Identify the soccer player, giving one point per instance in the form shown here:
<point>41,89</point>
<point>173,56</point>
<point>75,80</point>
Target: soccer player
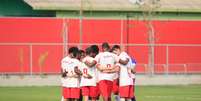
<point>70,75</point>
<point>88,80</point>
<point>133,71</point>
<point>106,61</point>
<point>95,51</point>
<point>81,56</point>
<point>126,81</point>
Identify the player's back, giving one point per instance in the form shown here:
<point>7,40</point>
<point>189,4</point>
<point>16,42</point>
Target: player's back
<point>125,78</point>
<point>88,70</point>
<point>69,67</point>
<point>106,59</point>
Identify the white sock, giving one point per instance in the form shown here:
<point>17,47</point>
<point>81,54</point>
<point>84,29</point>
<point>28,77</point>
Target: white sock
<point>128,99</point>
<point>122,99</point>
<point>62,98</point>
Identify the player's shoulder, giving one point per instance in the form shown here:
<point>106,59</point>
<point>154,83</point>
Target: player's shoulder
<point>67,58</point>
<point>87,58</point>
<point>113,54</point>
<point>75,60</point>
<point>124,53</point>
<point>99,54</point>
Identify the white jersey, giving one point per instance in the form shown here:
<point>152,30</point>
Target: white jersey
<point>88,70</point>
<point>68,65</point>
<point>106,59</point>
<point>124,78</point>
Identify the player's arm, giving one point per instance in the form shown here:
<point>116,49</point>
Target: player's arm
<point>64,73</point>
<point>103,67</point>
<point>114,70</point>
<point>77,71</point>
<point>124,61</point>
<point>69,75</point>
<point>88,76</point>
<point>92,64</point>
<point>133,69</point>
<point>99,67</point>
<point>63,70</point>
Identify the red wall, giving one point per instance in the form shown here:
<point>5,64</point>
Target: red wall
<point>16,58</point>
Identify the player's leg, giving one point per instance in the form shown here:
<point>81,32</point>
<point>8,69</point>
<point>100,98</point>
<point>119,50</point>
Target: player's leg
<point>105,88</point>
<point>93,92</point>
<point>73,99</point>
<point>75,94</point>
<point>85,93</point>
<point>131,93</point>
<point>124,92</point>
<point>66,94</point>
<point>80,99</point>
<point>133,98</point>
<point>115,89</point>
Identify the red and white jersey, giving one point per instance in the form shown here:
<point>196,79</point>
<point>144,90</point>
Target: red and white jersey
<point>88,70</point>
<point>68,65</point>
<point>106,59</point>
<point>124,76</point>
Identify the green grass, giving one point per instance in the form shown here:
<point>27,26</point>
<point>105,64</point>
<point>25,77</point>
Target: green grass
<point>143,93</point>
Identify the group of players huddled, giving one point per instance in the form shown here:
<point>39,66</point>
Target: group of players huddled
<point>91,73</point>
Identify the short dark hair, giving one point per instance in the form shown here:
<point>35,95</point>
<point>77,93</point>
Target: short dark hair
<point>105,45</point>
<point>94,49</point>
<point>73,50</point>
<point>88,50</point>
<point>115,47</point>
<point>81,51</point>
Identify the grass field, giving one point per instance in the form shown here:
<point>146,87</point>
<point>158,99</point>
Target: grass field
<point>143,93</point>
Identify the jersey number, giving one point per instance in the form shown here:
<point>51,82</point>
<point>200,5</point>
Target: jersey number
<point>108,65</point>
<point>85,71</point>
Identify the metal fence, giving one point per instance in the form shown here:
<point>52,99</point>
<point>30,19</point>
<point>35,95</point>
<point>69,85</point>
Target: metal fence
<point>142,68</point>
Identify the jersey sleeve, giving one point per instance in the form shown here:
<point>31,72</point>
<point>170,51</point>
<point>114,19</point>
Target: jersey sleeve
<point>84,60</point>
<point>116,58</point>
<point>63,64</point>
<point>80,65</point>
<point>124,55</point>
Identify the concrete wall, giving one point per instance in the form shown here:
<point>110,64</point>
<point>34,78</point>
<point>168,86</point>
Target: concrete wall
<point>54,80</point>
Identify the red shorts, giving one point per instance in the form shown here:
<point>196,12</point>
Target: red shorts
<point>71,93</point>
<point>115,87</point>
<point>91,91</point>
<point>105,87</point>
<point>126,91</point>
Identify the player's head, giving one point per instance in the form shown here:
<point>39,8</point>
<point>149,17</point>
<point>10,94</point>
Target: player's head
<point>116,49</point>
<point>81,55</point>
<point>95,50</point>
<point>105,47</point>
<point>73,52</point>
<point>88,51</point>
